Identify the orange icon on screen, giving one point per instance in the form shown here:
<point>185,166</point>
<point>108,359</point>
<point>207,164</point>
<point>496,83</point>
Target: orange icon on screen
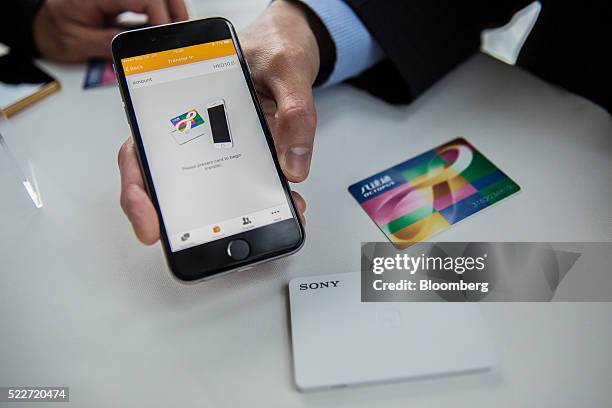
<point>216,229</point>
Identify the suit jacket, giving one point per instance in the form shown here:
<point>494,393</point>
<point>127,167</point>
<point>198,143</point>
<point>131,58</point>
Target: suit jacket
<point>425,39</point>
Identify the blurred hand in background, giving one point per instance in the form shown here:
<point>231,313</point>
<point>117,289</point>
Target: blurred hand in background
<point>78,30</point>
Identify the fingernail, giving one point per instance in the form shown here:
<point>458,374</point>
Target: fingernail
<point>297,160</point>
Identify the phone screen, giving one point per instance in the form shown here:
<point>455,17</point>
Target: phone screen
<point>218,124</point>
<point>187,101</point>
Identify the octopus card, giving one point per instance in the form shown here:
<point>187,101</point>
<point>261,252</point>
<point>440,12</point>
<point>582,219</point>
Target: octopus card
<point>99,73</point>
<point>425,195</point>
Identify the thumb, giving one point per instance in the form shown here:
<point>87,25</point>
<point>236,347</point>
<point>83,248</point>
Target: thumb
<point>295,122</point>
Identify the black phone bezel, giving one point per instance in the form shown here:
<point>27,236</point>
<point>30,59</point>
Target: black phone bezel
<point>212,258</point>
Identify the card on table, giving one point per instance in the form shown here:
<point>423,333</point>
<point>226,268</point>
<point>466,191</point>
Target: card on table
<point>425,195</point>
<point>99,73</point>
<point>340,341</point>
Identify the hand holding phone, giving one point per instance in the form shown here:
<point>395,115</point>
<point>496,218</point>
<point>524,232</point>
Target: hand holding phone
<point>218,209</point>
<point>284,59</point>
<point>269,44</point>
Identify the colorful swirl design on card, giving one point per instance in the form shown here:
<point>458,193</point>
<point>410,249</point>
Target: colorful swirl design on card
<point>187,121</point>
<point>427,194</point>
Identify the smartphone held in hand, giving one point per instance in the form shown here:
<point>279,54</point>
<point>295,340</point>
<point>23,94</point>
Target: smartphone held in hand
<point>205,150</point>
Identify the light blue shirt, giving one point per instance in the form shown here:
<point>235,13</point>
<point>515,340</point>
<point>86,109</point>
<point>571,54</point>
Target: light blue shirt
<point>356,49</point>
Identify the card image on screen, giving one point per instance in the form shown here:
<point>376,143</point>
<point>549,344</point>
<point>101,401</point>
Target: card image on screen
<point>219,125</point>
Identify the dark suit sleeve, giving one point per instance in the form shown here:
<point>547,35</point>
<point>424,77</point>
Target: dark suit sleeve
<point>425,39</point>
<point>16,25</point>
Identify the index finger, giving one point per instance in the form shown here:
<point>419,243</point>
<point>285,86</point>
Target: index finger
<point>134,200</point>
<point>156,10</point>
<point>178,10</point>
<point>128,165</point>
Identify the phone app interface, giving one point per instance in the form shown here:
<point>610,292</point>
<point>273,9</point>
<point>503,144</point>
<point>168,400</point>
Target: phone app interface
<point>209,159</point>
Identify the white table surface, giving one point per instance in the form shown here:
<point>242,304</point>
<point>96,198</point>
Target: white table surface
<point>83,304</point>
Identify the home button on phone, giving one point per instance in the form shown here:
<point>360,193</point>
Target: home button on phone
<point>238,249</point>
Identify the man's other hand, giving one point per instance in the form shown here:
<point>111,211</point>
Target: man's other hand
<point>78,30</point>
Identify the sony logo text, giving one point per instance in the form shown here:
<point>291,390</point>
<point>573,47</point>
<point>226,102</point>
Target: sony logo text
<point>319,285</point>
